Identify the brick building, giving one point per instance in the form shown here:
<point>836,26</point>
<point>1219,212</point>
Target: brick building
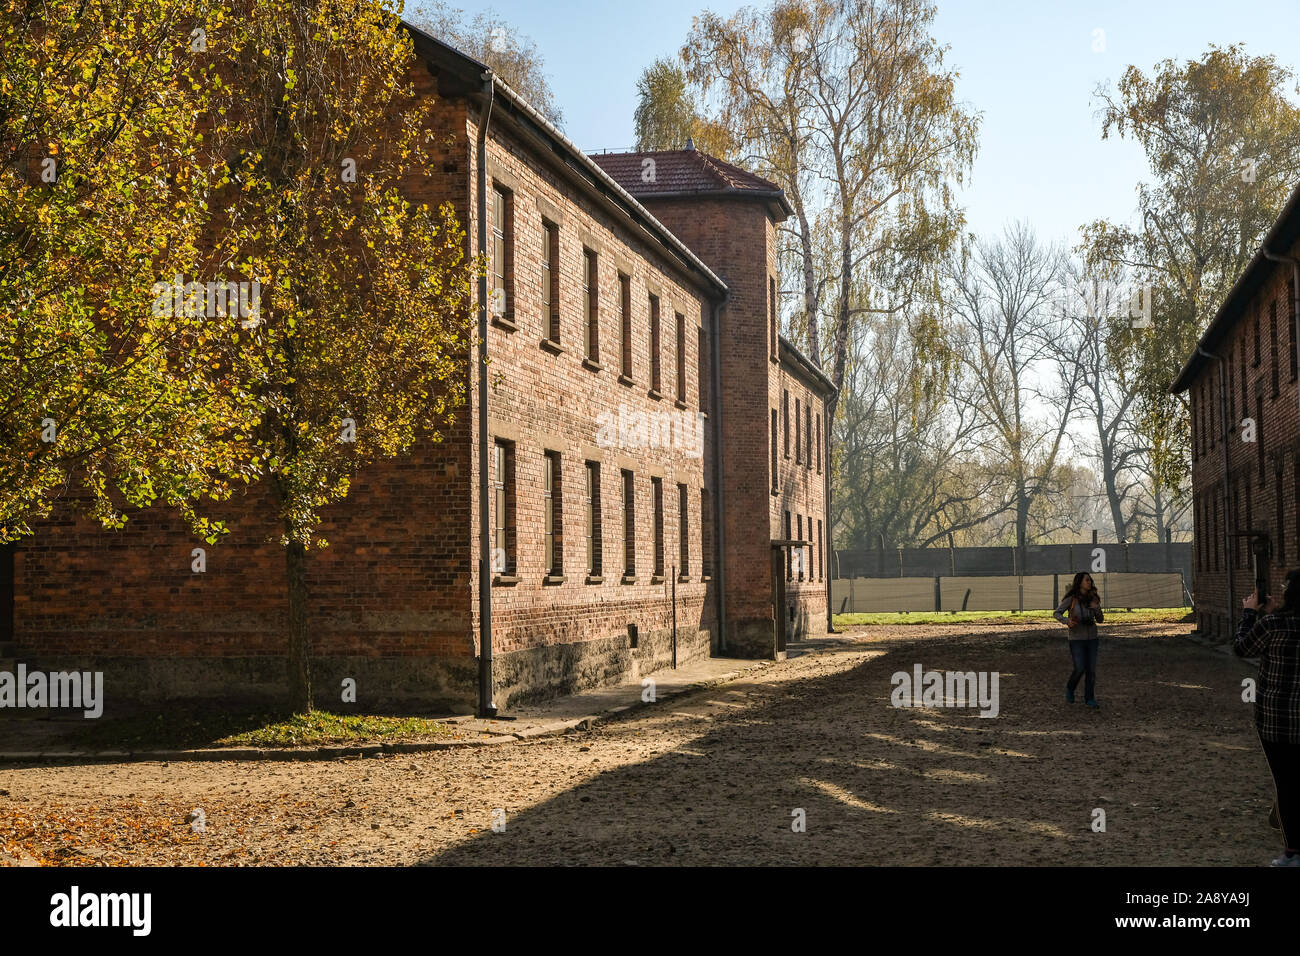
<point>639,418</point>
<point>1241,384</point>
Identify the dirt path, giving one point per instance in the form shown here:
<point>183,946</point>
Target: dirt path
<point>712,777</point>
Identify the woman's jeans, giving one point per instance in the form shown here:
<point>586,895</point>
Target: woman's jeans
<point>1284,764</point>
<point>1084,654</point>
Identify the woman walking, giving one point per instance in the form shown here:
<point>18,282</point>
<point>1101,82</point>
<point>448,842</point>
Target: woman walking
<point>1272,634</point>
<point>1080,611</point>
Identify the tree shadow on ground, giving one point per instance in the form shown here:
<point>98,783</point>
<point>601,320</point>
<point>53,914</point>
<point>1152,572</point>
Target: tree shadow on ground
<point>1171,760</point>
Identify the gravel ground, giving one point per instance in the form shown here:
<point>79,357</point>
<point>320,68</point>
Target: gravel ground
<point>715,776</point>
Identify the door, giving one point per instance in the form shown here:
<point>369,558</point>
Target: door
<point>778,596</point>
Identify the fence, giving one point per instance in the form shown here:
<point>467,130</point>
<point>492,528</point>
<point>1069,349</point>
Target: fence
<point>1152,557</point>
<point>1001,592</point>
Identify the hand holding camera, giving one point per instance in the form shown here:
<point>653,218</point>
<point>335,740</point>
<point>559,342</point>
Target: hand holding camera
<point>1252,603</point>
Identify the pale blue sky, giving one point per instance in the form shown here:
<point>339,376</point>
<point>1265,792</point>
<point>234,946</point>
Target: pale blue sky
<point>1028,65</point>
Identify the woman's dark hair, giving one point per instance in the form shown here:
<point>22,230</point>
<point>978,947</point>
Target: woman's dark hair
<point>1076,588</point>
<point>1291,594</point>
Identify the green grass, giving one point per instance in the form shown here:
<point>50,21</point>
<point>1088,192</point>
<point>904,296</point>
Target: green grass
<point>151,731</point>
<point>321,727</point>
<point>1137,615</point>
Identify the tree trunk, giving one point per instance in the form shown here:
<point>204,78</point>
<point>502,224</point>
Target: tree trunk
<point>300,698</point>
<point>1023,502</point>
<point>1111,482</point>
<point>1159,509</point>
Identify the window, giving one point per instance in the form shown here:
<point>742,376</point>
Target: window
<point>798,442</point>
<point>1249,523</point>
<point>590,306</point>
<point>1198,429</point>
<point>1198,526</point>
<point>1259,430</point>
<point>683,531</point>
<point>771,308</point>
<point>819,444</point>
<point>785,419</point>
<point>1236,511</point>
<point>1205,425</point>
<point>1209,397</point>
<point>7,552</point>
<point>1272,342</point>
<point>1290,325</point>
<point>706,533</point>
<point>681,357</point>
<point>775,472</point>
<point>1255,333</point>
<point>553,513</point>
<point>655,381</point>
<point>705,394</point>
<point>657,488</point>
<point>1217,539</point>
<point>821,572</point>
<point>1295,494</point>
<point>807,432</point>
<point>1280,517</point>
<point>789,563</point>
<point>799,536</point>
<point>1241,370</point>
<point>629,525</point>
<point>502,266</point>
<point>592,502</point>
<point>1232,393</point>
<point>625,323</point>
<point>503,508</point>
<point>551,280</point>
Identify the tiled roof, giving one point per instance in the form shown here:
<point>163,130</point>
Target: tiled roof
<point>1281,236</point>
<point>680,171</point>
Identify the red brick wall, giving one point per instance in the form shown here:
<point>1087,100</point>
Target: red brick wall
<point>541,401</point>
<point>399,578</point>
<point>726,233</point>
<point>394,581</point>
<point>1253,466</point>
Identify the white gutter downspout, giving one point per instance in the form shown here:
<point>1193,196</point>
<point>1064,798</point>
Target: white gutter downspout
<point>719,511</point>
<point>486,704</point>
<point>1229,519</point>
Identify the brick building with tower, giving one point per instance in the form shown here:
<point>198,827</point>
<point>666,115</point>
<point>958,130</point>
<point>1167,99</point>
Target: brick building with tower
<point>640,475</point>
<point>1241,386</point>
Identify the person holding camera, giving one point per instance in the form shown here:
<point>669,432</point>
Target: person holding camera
<point>1271,633</point>
<point>1080,611</point>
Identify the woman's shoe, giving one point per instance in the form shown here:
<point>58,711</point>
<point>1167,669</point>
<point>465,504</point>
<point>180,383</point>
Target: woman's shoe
<point>1069,696</point>
<point>1287,859</point>
<point>1093,704</point>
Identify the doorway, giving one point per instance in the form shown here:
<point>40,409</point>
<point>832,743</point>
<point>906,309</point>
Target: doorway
<point>778,597</point>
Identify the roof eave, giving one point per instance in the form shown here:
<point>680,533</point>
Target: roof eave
<point>467,68</point>
<point>777,204</point>
<point>1249,277</point>
<point>790,353</point>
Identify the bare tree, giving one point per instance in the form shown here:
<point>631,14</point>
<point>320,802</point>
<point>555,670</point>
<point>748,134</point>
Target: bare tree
<point>490,39</point>
<point>1008,339</point>
<point>1095,320</point>
<point>905,472</point>
<point>847,105</point>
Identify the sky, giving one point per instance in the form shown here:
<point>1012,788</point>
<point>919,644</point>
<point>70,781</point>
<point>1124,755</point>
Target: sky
<point>1029,66</point>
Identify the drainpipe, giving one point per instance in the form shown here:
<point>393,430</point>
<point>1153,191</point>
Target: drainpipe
<point>1229,519</point>
<point>719,505</point>
<point>486,704</point>
<point>826,498</point>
